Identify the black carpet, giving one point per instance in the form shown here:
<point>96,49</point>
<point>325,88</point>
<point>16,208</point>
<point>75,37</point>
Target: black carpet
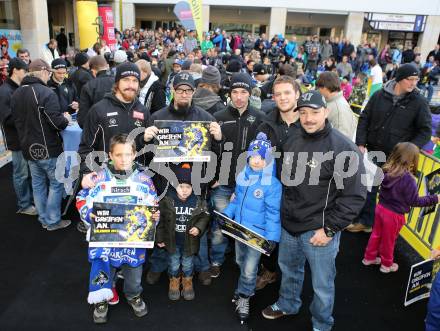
<point>44,287</point>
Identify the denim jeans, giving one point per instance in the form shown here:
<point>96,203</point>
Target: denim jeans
<point>220,198</point>
<point>248,260</point>
<point>292,255</point>
<point>132,280</point>
<point>21,180</point>
<point>47,198</point>
<point>158,260</point>
<point>178,259</point>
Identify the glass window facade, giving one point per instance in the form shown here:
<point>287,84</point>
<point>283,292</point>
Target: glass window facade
<point>9,15</point>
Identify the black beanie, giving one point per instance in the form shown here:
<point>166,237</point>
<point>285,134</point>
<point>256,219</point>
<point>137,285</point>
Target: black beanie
<point>405,71</point>
<point>241,80</point>
<point>80,59</point>
<point>127,69</point>
<point>183,173</point>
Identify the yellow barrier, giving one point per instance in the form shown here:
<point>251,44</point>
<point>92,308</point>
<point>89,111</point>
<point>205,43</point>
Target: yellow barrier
<point>422,232</point>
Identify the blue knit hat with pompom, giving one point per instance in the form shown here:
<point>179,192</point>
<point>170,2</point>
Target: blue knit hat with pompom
<point>260,146</point>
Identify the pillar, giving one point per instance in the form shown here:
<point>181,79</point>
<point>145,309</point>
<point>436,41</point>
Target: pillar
<point>353,27</point>
<point>205,15</point>
<point>128,16</point>
<point>116,15</point>
<point>277,23</point>
<point>428,39</point>
<point>34,23</point>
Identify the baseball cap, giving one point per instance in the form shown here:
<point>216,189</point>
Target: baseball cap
<point>259,69</point>
<point>18,64</point>
<point>59,64</point>
<point>39,65</point>
<point>184,78</point>
<point>312,99</point>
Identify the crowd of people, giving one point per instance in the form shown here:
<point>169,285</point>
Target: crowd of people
<point>321,105</point>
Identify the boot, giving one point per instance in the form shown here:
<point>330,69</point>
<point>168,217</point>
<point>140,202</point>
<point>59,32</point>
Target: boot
<point>265,277</point>
<point>174,290</point>
<point>188,290</point>
<point>100,312</point>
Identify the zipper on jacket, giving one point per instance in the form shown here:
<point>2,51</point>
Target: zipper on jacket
<point>242,202</point>
<point>243,143</point>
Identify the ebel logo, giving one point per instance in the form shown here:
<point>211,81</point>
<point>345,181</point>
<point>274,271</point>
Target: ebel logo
<point>120,189</point>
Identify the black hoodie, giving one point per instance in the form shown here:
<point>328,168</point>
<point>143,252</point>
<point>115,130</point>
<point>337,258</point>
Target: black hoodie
<point>11,135</point>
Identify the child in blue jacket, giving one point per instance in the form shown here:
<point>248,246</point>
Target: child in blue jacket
<point>256,205</point>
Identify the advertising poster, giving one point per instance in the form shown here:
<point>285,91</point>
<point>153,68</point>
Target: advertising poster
<point>11,40</point>
<point>420,280</point>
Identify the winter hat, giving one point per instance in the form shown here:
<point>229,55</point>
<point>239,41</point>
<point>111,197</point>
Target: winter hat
<point>405,71</point>
<point>241,80</point>
<point>259,69</point>
<point>183,173</point>
<point>260,146</point>
<point>81,59</point>
<point>127,69</point>
<point>59,63</point>
<point>120,56</point>
<point>16,63</point>
<point>233,66</point>
<point>211,75</point>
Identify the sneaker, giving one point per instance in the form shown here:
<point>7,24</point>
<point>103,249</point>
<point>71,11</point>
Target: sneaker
<point>44,226</point>
<point>394,267</point>
<point>215,270</point>
<point>205,278</point>
<point>100,312</point>
<point>371,262</point>
<point>60,225</point>
<point>272,312</point>
<point>242,308</point>
<point>174,289</point>
<point>187,288</point>
<point>115,299</point>
<point>266,277</point>
<point>235,298</point>
<point>153,277</point>
<point>358,227</point>
<point>139,306</point>
<point>81,227</point>
<point>31,211</point>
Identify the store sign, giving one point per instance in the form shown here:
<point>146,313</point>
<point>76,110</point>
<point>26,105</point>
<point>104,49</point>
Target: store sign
<point>396,22</point>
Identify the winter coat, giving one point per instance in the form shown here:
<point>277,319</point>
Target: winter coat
<point>341,116</point>
<point>326,51</point>
<point>66,93</point>
<point>257,201</point>
<point>152,94</point>
<point>80,78</point>
<point>208,100</point>
<point>12,141</point>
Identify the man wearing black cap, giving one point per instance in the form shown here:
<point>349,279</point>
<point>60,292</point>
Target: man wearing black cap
<point>320,198</point>
<point>82,74</point>
<point>118,112</point>
<point>20,171</point>
<point>63,88</point>
<point>396,113</point>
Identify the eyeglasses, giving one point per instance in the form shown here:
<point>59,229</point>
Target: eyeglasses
<point>187,92</point>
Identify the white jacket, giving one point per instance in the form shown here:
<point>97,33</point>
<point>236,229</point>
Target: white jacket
<point>341,116</point>
<point>47,56</point>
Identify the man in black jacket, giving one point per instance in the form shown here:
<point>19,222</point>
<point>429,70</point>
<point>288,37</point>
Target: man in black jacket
<point>396,113</point>
<point>82,74</point>
<point>322,194</point>
<point>95,89</point>
<point>20,170</point>
<point>38,119</point>
<point>63,88</point>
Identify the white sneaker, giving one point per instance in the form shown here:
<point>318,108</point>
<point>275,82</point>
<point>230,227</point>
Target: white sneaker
<point>394,267</point>
<point>31,211</point>
<point>60,225</point>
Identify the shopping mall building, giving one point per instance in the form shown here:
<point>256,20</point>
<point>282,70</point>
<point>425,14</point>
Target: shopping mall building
<point>33,22</point>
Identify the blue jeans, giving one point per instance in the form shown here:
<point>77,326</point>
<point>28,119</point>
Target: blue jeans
<point>21,180</point>
<point>220,197</point>
<point>248,260</point>
<point>47,198</point>
<point>292,255</point>
<point>132,280</point>
<point>178,259</point>
<point>158,259</point>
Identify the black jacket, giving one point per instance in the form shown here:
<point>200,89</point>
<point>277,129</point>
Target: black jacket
<point>387,121</point>
<point>312,205</point>
<point>240,130</point>
<point>208,100</point>
<point>93,92</point>
<point>11,134</point>
<point>166,229</point>
<point>155,98</point>
<point>79,78</point>
<point>66,93</point>
<point>107,118</point>
<point>38,120</point>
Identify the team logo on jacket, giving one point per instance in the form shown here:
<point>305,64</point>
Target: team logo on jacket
<point>258,193</point>
<point>38,152</point>
<point>101,279</point>
<point>112,122</point>
<point>138,123</point>
<point>251,119</point>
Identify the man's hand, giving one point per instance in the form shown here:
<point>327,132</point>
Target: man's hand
<point>362,149</point>
<point>156,216</point>
<point>150,133</point>
<point>319,238</point>
<point>194,231</point>
<point>87,181</point>
<point>160,245</point>
<point>215,131</point>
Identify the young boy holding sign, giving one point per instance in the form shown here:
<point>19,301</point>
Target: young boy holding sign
<point>256,205</point>
<point>121,182</point>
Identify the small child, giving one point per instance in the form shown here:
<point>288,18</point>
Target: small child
<point>121,175</point>
<point>256,205</point>
<point>346,87</point>
<point>184,218</point>
<point>398,193</point>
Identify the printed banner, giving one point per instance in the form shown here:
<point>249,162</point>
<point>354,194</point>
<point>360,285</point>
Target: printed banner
<point>108,25</point>
<point>183,12</point>
<point>182,141</point>
<point>11,40</point>
<point>122,225</point>
<point>197,12</point>
<point>433,187</point>
<point>244,235</point>
<point>420,280</point>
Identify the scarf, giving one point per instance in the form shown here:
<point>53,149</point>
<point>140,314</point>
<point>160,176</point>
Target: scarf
<point>100,284</point>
